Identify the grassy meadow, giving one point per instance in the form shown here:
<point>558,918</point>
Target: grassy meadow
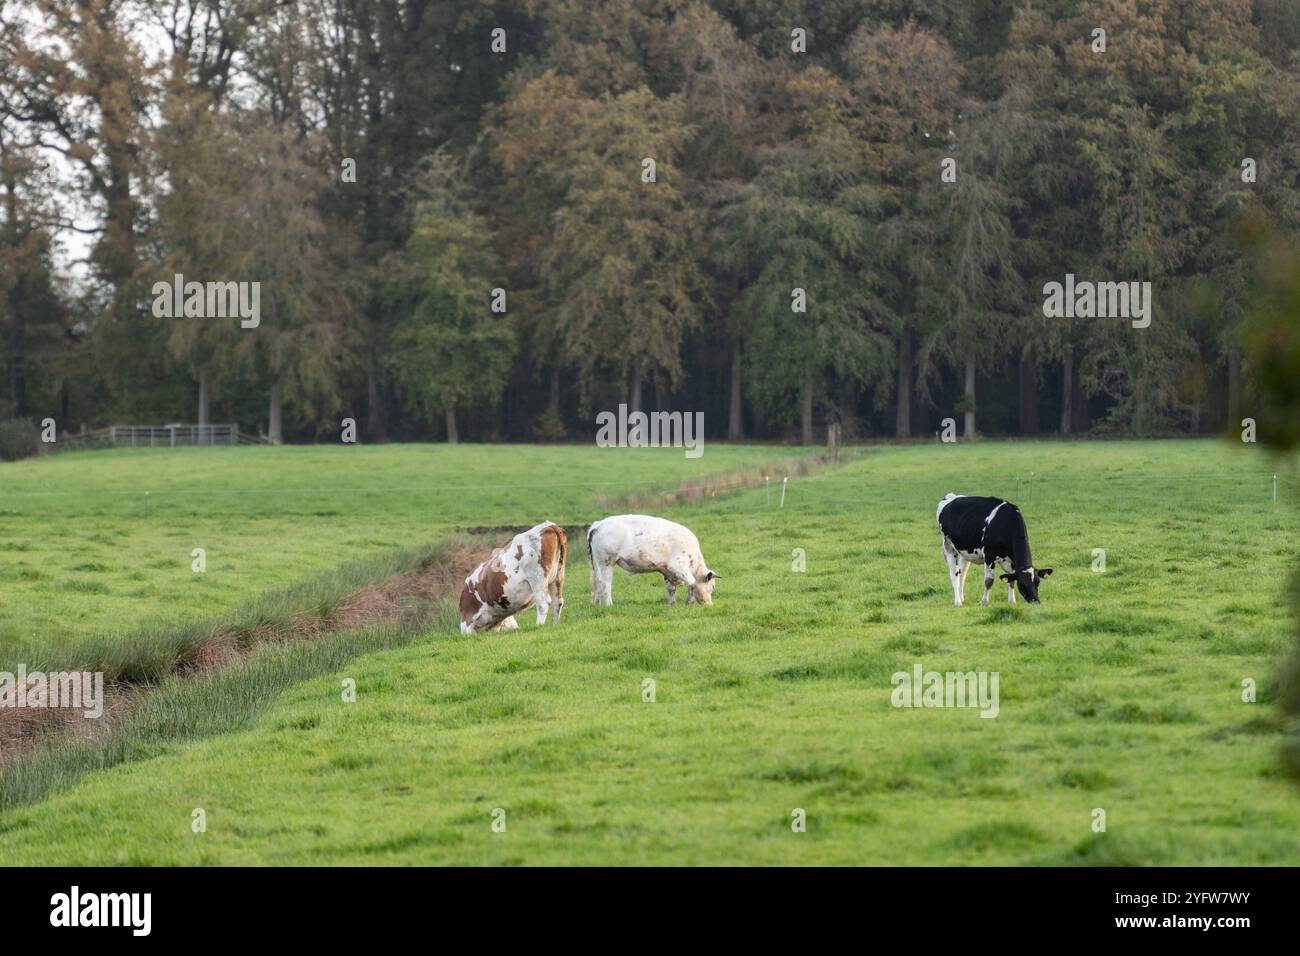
<point>101,543</point>
<point>1121,691</point>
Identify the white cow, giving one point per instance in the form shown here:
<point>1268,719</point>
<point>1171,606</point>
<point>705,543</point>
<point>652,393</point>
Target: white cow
<point>639,544</point>
<point>529,570</point>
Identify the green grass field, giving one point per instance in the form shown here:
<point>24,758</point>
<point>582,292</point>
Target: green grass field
<point>1121,691</point>
<point>101,543</point>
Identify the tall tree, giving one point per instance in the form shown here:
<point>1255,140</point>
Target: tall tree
<point>804,229</point>
<point>906,80</point>
<point>623,240</point>
<point>81,84</point>
<point>449,349</point>
<point>31,314</point>
<point>241,207</point>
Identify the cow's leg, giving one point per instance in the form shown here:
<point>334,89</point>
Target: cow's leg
<point>964,569</point>
<point>687,578</point>
<point>989,578</point>
<point>954,570</point>
<point>555,588</point>
<point>1011,585</point>
<point>540,590</point>
<point>541,597</point>
<point>671,588</point>
<point>607,584</point>
<point>509,624</point>
<point>557,598</point>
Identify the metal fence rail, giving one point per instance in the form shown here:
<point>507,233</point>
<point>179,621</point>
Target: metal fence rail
<point>155,436</point>
<point>176,436</point>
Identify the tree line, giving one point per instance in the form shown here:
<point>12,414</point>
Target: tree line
<point>493,220</point>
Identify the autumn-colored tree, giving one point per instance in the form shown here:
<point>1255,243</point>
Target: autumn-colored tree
<point>805,231</point>
<point>622,242</point>
<point>927,167</point>
<point>240,206</point>
<point>31,315</point>
<point>79,82</point>
<point>906,81</point>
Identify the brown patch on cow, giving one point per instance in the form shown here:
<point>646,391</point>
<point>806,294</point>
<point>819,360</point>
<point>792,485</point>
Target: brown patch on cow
<point>519,552</point>
<point>469,602</point>
<point>488,590</point>
<point>492,582</point>
<point>557,542</point>
<point>554,551</point>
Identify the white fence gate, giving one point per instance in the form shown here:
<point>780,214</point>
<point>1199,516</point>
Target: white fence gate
<point>174,436</point>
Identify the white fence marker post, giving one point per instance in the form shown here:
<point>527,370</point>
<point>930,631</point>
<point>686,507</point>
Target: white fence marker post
<point>783,481</point>
<point>767,483</point>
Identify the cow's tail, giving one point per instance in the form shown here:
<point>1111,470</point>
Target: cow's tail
<point>557,552</point>
<point>591,561</point>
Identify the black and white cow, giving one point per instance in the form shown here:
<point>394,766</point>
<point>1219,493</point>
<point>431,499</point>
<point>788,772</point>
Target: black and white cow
<point>992,531</point>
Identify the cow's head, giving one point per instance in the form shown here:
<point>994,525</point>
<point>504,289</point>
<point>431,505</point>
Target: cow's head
<point>1027,582</point>
<point>702,589</point>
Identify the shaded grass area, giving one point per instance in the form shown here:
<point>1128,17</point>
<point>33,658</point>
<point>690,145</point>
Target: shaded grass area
<point>1121,692</point>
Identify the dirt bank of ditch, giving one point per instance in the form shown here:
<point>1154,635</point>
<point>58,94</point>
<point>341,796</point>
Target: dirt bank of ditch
<point>24,729</point>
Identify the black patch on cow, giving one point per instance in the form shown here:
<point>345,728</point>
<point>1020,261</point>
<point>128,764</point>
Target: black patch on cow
<point>965,522</point>
<point>962,522</point>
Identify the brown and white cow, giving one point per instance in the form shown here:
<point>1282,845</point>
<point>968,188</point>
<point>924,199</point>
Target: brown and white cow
<point>529,570</point>
<point>642,543</point>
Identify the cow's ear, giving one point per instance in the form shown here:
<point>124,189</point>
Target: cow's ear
<point>710,576</point>
<point>1008,578</point>
<point>1044,572</point>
